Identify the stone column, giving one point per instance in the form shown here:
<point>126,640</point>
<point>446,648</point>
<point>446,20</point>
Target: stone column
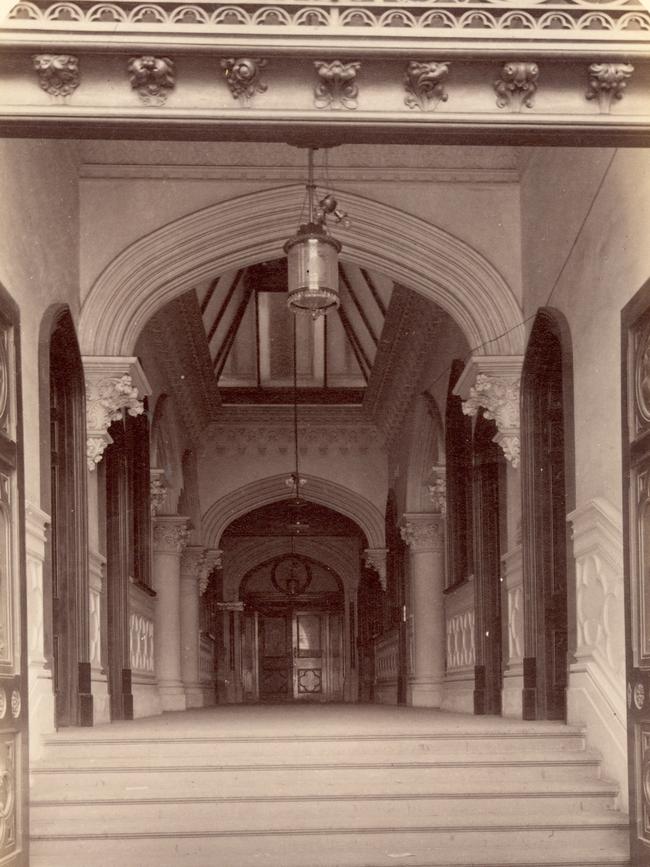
<point>192,562</point>
<point>424,534</point>
<point>170,534</point>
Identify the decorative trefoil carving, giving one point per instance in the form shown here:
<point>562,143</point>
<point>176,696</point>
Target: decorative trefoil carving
<point>106,400</point>
<point>517,85</point>
<point>500,401</point>
<point>422,532</point>
<point>153,78</point>
<point>58,74</point>
<point>170,534</point>
<point>607,81</point>
<point>337,86</point>
<point>425,84</point>
<point>375,559</point>
<point>157,490</point>
<point>243,77</point>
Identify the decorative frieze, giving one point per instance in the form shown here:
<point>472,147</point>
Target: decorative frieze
<point>422,532</point>
<point>375,559</point>
<point>425,84</point>
<point>153,78</point>
<point>607,82</point>
<point>114,385</point>
<point>170,534</point>
<point>516,85</point>
<point>58,74</point>
<point>244,77</point>
<point>270,438</point>
<point>337,85</point>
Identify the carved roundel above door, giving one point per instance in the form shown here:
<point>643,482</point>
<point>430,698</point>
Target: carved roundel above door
<point>291,575</point>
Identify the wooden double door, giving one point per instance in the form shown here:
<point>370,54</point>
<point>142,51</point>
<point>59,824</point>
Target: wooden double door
<point>300,656</point>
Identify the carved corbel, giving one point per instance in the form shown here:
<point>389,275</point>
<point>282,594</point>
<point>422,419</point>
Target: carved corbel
<point>422,532</point>
<point>607,81</point>
<point>499,399</point>
<point>113,386</point>
<point>438,489</point>
<point>212,561</point>
<point>517,85</point>
<point>58,74</point>
<point>425,84</point>
<point>243,77</point>
<point>153,78</point>
<point>375,559</point>
<point>337,86</point>
<point>157,490</point>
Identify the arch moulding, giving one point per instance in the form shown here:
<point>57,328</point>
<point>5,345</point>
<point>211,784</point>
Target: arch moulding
<point>273,489</point>
<point>242,231</point>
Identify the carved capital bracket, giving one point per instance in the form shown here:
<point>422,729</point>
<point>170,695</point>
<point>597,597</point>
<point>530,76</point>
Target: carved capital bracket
<point>375,559</point>
<point>211,562</point>
<point>425,84</point>
<point>516,86</point>
<point>58,74</point>
<point>492,383</point>
<point>114,385</point>
<point>337,85</point>
<point>244,77</point>
<point>438,489</point>
<point>192,564</point>
<point>170,534</point>
<point>153,78</point>
<point>423,532</point>
<point>607,81</point>
<point>157,489</point>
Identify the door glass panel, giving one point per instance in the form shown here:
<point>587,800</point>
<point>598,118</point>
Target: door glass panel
<point>308,676</point>
<point>309,637</point>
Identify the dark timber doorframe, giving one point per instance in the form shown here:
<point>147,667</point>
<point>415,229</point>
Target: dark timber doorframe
<point>635,345</point>
<point>548,496</point>
<point>69,534</point>
<point>488,482</point>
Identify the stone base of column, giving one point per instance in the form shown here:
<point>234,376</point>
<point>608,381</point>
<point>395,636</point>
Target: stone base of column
<point>425,693</point>
<point>41,707</point>
<point>194,695</point>
<point>172,696</point>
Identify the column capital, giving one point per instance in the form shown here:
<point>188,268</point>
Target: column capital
<point>170,533</point>
<point>157,489</point>
<point>192,561</point>
<point>114,384</point>
<point>375,559</point>
<point>438,488</point>
<point>423,531</point>
<point>212,561</point>
<point>492,382</point>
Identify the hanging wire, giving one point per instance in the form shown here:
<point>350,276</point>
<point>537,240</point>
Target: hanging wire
<point>296,480</point>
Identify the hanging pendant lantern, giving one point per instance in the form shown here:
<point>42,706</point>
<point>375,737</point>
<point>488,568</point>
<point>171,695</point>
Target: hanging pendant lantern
<point>313,257</point>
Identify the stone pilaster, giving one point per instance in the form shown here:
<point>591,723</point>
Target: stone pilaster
<point>424,534</point>
<point>170,535</point>
<point>192,568</point>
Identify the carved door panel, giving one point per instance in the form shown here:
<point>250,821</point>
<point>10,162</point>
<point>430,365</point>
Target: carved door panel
<point>309,656</point>
<point>275,657</point>
<point>13,715</point>
<point>636,442</point>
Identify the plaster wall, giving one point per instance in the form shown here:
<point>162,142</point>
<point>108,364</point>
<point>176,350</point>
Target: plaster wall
<point>123,198</point>
<point>39,225</point>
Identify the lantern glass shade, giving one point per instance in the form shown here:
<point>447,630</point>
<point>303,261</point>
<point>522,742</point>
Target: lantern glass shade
<point>313,275</point>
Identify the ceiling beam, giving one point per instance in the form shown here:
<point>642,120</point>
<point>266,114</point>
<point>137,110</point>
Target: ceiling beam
<point>356,347</point>
<point>224,305</point>
<point>373,290</point>
<point>358,305</point>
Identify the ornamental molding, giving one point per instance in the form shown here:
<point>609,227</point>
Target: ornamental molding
<point>192,564</point>
<point>516,85</point>
<point>425,84</point>
<point>422,532</point>
<point>212,561</point>
<point>58,74</point>
<point>114,385</point>
<point>337,86</point>
<point>158,489</point>
<point>170,534</point>
<point>244,77</point>
<point>492,383</point>
<point>438,489</point>
<point>375,559</point>
<point>152,78</point>
<point>607,82</point>
<point>267,439</point>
